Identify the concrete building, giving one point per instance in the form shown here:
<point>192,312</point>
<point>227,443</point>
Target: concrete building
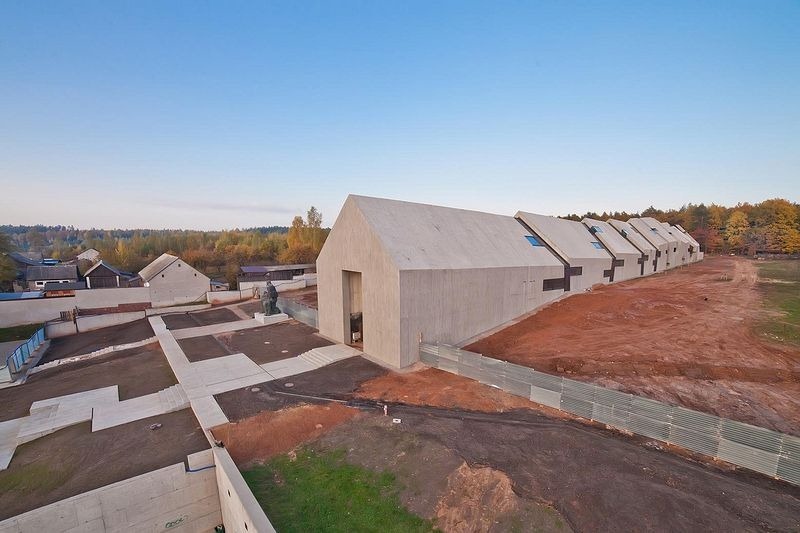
<point>629,261</point>
<point>677,254</point>
<point>653,235</point>
<point>586,259</point>
<point>273,272</point>
<point>38,276</point>
<point>172,281</point>
<point>651,258</point>
<point>697,255</point>
<point>392,273</point>
<point>685,245</point>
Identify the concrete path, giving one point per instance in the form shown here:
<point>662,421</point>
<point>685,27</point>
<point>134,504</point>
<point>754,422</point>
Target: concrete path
<point>203,379</point>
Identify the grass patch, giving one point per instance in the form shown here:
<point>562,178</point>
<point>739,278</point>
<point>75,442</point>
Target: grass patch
<point>33,477</point>
<point>18,333</point>
<point>321,492</point>
<point>780,284</point>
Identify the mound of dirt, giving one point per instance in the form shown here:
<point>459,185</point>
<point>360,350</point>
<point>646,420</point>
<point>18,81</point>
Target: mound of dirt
<point>439,389</point>
<point>272,432</point>
<point>475,498</point>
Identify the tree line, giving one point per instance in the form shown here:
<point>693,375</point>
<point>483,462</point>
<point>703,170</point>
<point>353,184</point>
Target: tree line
<point>217,253</point>
<point>771,226</point>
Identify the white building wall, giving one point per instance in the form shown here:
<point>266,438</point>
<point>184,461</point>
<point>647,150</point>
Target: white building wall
<point>452,306</point>
<point>179,283</point>
<point>352,246</point>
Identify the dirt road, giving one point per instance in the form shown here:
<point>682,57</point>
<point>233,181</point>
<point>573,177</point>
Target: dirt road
<point>685,337</point>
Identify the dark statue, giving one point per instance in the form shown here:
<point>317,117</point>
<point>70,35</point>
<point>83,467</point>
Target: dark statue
<point>269,300</point>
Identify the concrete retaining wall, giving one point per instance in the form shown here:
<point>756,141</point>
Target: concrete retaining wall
<point>19,312</point>
<point>95,298</point>
<point>90,323</point>
<point>281,285</point>
<point>226,297</point>
<point>240,509</point>
<point>168,499</point>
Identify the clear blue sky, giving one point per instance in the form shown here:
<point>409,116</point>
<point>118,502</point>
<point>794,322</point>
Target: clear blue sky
<point>226,114</point>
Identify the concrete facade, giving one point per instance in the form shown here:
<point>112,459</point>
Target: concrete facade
<point>588,260</point>
<point>677,254</point>
<point>420,271</point>
<point>172,281</point>
<point>643,245</point>
<point>697,254</point>
<point>685,245</point>
<point>628,260</point>
<point>654,237</point>
<point>168,499</point>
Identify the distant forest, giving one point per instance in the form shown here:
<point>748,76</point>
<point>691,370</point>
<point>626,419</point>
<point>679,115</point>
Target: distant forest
<point>771,226</point>
<point>217,253</point>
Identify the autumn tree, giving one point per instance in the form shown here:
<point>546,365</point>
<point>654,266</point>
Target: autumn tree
<point>736,230</point>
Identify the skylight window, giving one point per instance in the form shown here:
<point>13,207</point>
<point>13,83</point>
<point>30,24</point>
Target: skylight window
<point>533,240</point>
<point>597,245</point>
<point>597,229</point>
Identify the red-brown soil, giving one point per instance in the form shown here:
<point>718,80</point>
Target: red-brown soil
<point>272,432</point>
<point>438,388</point>
<point>685,337</point>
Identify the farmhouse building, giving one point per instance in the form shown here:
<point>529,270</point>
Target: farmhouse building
<point>104,276</point>
<point>172,281</point>
<point>38,276</point>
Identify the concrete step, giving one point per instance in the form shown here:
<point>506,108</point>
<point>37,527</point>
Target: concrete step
<point>314,358</point>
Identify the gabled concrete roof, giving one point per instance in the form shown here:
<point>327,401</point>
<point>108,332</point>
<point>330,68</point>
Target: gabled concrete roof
<point>157,266</point>
<point>627,231</point>
<point>421,236</point>
<point>611,238</point>
<point>650,231</point>
<point>688,236</point>
<point>568,238</point>
<point>662,229</point>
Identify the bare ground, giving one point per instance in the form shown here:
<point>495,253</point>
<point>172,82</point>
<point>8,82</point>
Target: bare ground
<point>273,342</point>
<point>203,347</point>
<point>685,337</point>
<point>339,380</point>
<point>200,318</point>
<point>307,296</point>
<point>75,460</point>
<point>594,480</point>
<point>137,372</point>
<point>83,343</point>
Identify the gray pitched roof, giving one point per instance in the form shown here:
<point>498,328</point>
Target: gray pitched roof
<point>421,236</point>
<point>157,266</point>
<point>43,272</point>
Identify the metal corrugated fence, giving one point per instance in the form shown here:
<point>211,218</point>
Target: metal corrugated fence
<point>771,453</point>
<point>298,311</point>
<point>15,361</point>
